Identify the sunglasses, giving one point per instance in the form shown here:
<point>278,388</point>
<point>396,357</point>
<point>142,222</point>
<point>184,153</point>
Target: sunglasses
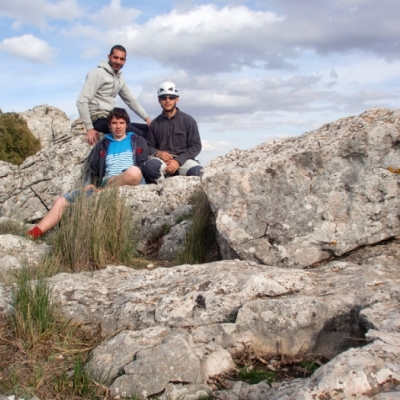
<point>163,98</point>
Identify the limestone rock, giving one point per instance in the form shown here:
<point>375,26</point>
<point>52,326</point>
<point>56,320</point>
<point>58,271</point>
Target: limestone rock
<point>155,207</point>
<point>16,252</point>
<point>295,202</point>
<point>174,241</point>
<point>27,192</point>
<point>153,369</point>
<point>279,311</point>
<point>110,358</point>
<point>187,295</point>
<point>47,123</point>
<point>187,392</point>
<point>242,390</point>
<point>384,316</point>
<point>357,371</point>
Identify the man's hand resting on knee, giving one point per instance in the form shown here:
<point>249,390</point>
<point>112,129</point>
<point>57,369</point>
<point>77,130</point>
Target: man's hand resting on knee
<point>172,166</point>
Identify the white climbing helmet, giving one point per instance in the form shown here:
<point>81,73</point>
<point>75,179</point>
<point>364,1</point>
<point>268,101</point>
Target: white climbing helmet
<point>168,88</point>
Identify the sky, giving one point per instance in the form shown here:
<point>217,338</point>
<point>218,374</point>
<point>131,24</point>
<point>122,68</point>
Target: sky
<point>248,71</point>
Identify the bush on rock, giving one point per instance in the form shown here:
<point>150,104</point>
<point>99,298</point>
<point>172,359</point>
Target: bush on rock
<point>16,140</point>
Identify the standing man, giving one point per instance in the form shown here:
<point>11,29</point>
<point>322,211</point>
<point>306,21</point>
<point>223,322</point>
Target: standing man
<point>98,94</point>
<point>173,139</point>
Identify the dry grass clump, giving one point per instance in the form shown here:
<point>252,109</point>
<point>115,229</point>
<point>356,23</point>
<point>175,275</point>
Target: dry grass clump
<point>42,354</point>
<point>95,231</point>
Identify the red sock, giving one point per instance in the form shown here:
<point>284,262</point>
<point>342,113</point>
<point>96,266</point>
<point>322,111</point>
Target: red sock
<point>35,232</point>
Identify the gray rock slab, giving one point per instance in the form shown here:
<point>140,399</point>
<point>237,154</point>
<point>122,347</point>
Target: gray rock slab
<point>186,392</point>
<point>47,123</point>
<point>174,242</point>
<point>172,361</point>
<point>28,191</point>
<point>109,359</point>
<point>244,391</point>
<point>16,252</point>
<point>357,372</point>
<point>382,316</point>
<point>186,295</point>
<point>156,206</point>
<point>295,202</point>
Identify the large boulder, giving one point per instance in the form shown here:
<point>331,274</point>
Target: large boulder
<point>17,252</point>
<point>210,314</point>
<point>295,202</point>
<point>47,123</point>
<point>27,192</point>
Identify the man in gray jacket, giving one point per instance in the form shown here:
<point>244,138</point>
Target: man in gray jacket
<point>173,140</point>
<point>98,94</point>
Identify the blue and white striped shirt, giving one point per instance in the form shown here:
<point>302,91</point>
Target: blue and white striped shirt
<point>119,155</point>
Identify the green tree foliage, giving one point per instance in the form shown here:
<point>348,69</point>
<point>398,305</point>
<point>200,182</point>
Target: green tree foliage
<point>16,140</point>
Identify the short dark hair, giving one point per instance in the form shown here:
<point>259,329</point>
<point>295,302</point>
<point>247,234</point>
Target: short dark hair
<point>118,113</point>
<point>117,47</point>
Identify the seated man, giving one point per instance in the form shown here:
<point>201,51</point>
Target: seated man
<point>173,140</point>
<point>117,160</point>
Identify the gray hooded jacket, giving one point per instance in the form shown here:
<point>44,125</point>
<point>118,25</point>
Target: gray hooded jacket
<point>98,94</point>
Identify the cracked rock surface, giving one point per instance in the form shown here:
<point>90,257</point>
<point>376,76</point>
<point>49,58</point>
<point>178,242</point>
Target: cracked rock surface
<point>295,202</point>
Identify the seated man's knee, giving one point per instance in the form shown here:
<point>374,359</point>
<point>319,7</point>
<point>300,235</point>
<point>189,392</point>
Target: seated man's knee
<point>133,176</point>
<point>151,170</point>
<point>195,171</point>
<point>61,201</point>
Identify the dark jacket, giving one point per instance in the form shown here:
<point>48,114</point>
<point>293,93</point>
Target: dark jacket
<point>96,162</point>
<point>178,136</point>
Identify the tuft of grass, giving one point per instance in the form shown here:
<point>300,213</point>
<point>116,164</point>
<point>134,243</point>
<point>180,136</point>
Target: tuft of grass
<point>34,314</point>
<point>255,376</point>
<point>311,365</point>
<point>80,379</point>
<point>200,241</point>
<point>95,231</point>
<point>39,348</point>
<point>12,227</point>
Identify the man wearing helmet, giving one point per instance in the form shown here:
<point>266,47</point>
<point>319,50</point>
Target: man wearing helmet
<point>98,94</point>
<point>173,139</point>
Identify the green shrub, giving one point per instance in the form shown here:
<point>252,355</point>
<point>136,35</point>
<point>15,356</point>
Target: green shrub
<point>16,140</point>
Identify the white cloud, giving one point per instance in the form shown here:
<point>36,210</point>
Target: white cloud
<point>36,12</point>
<point>30,48</point>
<point>213,146</point>
<point>202,38</point>
<point>91,52</point>
<point>114,15</point>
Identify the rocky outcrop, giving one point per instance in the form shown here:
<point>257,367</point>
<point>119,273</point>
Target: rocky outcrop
<point>295,202</point>
<point>207,314</point>
<point>17,252</point>
<point>27,192</point>
<point>49,124</point>
<point>172,332</point>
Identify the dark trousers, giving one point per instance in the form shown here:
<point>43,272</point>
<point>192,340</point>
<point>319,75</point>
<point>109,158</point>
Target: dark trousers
<point>101,125</point>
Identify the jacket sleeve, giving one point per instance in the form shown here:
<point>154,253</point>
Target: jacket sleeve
<point>91,166</point>
<point>193,142</point>
<point>92,85</point>
<point>142,152</point>
<point>130,101</point>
